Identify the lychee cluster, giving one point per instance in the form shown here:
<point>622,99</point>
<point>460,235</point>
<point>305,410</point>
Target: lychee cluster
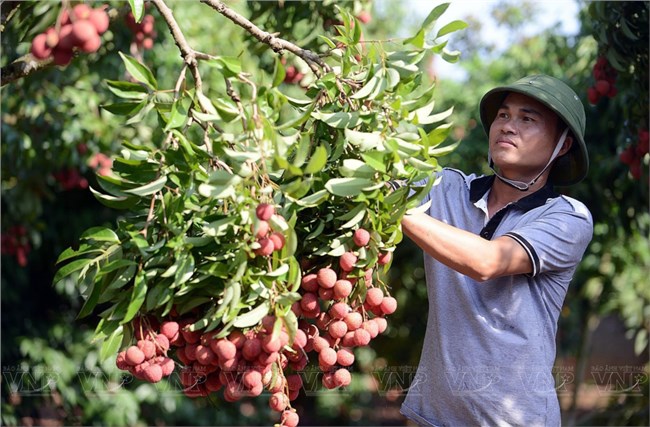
<point>147,359</point>
<point>70,179</point>
<point>144,32</point>
<point>341,308</point>
<point>341,318</point>
<point>267,239</point>
<point>634,153</point>
<point>605,77</point>
<point>77,29</point>
<point>15,242</point>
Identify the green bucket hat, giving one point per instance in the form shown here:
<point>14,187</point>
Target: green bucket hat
<point>572,167</point>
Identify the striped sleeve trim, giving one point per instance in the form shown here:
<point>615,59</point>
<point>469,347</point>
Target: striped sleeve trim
<point>534,259</point>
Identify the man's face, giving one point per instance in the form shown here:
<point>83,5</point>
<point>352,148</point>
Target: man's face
<point>522,136</point>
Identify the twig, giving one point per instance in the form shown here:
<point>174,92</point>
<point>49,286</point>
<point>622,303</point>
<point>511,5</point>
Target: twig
<point>187,53</point>
<point>277,44</point>
<point>237,100</point>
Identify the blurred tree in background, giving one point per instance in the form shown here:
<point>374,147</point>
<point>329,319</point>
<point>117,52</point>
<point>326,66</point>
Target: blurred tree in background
<point>55,137</point>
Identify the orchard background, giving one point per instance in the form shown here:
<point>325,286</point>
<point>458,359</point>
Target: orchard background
<point>68,128</point>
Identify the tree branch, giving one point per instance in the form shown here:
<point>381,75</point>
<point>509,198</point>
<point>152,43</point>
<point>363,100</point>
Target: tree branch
<point>187,53</point>
<point>277,44</point>
<point>22,67</point>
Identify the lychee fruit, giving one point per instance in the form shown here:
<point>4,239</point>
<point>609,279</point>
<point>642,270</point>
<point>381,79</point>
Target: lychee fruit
<point>264,211</point>
<point>361,237</point>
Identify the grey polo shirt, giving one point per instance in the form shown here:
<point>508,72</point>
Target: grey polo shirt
<point>489,347</point>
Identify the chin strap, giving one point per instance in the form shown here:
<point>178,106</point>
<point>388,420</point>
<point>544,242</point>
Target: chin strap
<point>522,186</point>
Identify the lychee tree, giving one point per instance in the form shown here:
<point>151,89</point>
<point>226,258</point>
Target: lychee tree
<point>255,231</point>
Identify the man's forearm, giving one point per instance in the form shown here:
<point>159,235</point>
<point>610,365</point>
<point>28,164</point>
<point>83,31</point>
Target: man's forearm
<point>466,252</point>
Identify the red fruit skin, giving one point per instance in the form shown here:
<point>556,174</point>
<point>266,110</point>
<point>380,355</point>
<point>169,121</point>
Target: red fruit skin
<point>278,240</point>
<point>170,329</point>
<point>39,48</point>
<point>326,278</point>
<point>345,357</point>
<point>262,229</point>
<point>264,211</point>
<point>388,305</point>
<point>289,419</point>
<point>99,18</point>
<point>147,347</point>
<point>309,301</point>
<point>62,57</point>
<point>347,261</point>
<point>342,377</point>
<point>338,329</point>
<point>167,366</point>
<point>278,401</point>
<point>342,289</point>
<point>327,357</point>
<point>362,337</point>
<point>224,349</point>
<point>385,258</point>
<point>120,361</point>
<point>266,247</point>
<point>91,45</point>
<point>361,237</point>
<point>364,17</point>
<point>602,87</point>
<point>593,96</point>
<point>627,156</point>
<point>81,11</point>
<point>374,297</point>
<point>66,40</point>
<point>82,31</point>
<point>134,356</point>
<point>153,373</point>
<point>310,283</point>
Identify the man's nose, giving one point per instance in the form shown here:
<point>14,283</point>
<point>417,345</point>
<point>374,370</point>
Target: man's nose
<point>508,126</point>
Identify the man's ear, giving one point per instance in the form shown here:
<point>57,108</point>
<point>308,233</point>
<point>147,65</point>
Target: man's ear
<point>568,142</point>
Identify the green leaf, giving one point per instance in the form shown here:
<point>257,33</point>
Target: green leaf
<point>149,188</point>
<point>356,219</point>
<point>253,317</point>
<point>230,66</point>
<point>70,268</point>
<point>437,152</point>
<point>91,301</point>
<point>433,16</point>
<point>114,202</point>
<point>373,87</point>
<point>356,168</point>
<point>313,199</point>
<point>451,56</point>
<point>340,120</point>
<point>127,90</point>
<point>345,187</point>
<point>364,140</point>
<point>317,161</point>
<point>124,108</point>
<point>279,73</point>
<point>139,71</point>
<point>70,253</point>
<point>185,269</point>
<point>417,40</point>
<point>137,297</point>
<point>177,117</point>
<point>100,234</point>
<point>111,345</point>
<point>451,27</point>
<point>375,159</point>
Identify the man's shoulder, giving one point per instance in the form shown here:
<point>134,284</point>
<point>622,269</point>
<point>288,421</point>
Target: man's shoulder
<point>575,206</point>
<point>457,176</point>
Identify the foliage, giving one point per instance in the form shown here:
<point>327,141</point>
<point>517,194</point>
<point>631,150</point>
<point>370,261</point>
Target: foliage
<point>315,176</point>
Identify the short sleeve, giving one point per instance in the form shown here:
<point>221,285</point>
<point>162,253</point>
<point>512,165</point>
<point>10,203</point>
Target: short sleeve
<point>557,240</point>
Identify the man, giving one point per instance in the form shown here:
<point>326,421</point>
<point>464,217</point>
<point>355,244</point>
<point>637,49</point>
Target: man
<point>500,251</point>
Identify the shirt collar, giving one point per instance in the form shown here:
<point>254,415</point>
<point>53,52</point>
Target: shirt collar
<point>479,186</point>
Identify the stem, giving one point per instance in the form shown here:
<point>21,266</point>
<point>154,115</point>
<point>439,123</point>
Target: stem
<point>187,53</point>
<point>277,44</point>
